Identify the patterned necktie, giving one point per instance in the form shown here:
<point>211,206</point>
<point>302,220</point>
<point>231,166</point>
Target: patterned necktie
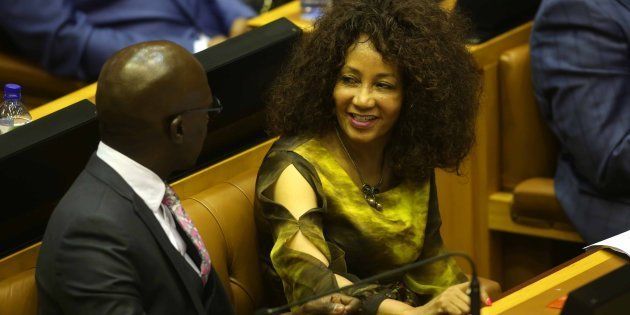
<point>171,201</point>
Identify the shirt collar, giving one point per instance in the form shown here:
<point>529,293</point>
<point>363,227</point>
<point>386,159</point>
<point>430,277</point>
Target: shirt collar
<point>145,183</point>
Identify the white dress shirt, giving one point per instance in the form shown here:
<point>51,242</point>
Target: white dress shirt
<point>151,189</point>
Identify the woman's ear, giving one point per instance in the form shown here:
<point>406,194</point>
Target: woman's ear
<point>176,130</point>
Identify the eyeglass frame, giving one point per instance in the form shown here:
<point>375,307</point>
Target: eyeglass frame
<point>216,109</point>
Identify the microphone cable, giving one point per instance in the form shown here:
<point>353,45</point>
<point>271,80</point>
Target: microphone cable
<point>475,299</point>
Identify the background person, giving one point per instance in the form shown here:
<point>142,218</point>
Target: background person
<point>580,53</point>
<point>74,38</point>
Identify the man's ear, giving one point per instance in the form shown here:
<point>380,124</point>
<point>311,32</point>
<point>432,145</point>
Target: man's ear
<point>176,130</point>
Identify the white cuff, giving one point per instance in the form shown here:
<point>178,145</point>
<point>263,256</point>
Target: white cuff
<point>201,43</point>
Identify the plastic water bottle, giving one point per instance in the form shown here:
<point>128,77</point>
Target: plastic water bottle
<point>312,9</point>
<point>13,113</point>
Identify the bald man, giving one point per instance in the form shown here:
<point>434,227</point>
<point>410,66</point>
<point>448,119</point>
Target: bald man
<point>119,242</point>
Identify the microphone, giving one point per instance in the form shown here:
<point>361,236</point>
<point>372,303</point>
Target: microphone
<point>475,299</point>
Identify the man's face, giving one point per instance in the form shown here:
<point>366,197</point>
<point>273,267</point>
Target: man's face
<point>195,127</point>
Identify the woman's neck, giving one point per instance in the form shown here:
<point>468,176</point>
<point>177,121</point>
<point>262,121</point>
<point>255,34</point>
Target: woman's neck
<point>368,158</point>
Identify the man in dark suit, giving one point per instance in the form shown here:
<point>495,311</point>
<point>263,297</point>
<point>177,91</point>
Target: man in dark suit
<point>580,53</point>
<point>119,241</point>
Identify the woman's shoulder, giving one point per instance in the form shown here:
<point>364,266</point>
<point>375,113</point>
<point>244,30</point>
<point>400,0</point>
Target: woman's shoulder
<point>284,153</point>
<point>295,150</point>
<point>289,144</point>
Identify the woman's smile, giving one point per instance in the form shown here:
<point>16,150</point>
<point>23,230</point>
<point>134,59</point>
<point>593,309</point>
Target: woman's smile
<point>362,121</point>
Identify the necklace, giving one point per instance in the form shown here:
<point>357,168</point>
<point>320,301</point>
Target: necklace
<point>369,191</point>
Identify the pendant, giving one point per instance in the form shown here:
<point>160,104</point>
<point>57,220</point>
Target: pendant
<point>369,193</point>
<point>373,203</point>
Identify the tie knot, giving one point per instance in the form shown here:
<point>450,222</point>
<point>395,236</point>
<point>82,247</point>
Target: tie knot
<point>170,197</point>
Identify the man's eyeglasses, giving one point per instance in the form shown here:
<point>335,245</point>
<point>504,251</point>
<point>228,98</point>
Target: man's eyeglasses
<point>214,110</point>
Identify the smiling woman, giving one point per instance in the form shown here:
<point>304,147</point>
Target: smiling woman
<point>380,94</point>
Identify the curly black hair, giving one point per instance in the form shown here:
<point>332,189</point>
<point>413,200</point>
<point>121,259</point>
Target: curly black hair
<point>441,82</point>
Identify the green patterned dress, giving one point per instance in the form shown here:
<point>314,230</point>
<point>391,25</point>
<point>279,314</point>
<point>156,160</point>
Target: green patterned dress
<point>357,240</point>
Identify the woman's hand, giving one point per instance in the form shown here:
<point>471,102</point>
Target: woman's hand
<point>453,301</point>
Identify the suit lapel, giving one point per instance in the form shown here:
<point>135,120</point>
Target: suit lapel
<point>191,281</point>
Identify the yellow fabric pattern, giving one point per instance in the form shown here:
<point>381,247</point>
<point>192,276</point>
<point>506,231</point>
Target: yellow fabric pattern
<point>358,240</point>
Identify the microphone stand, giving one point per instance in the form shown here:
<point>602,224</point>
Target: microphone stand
<point>475,299</point>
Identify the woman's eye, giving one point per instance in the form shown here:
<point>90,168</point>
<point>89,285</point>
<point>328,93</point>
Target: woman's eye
<point>346,79</point>
<point>384,85</point>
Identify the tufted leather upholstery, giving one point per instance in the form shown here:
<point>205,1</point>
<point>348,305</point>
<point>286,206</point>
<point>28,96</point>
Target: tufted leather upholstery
<point>224,216</point>
<point>528,148</point>
<point>19,294</point>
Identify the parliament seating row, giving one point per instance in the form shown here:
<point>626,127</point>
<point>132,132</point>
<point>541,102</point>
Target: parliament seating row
<point>519,200</point>
<point>221,206</point>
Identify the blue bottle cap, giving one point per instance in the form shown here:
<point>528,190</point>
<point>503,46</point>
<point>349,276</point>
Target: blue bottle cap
<point>12,91</point>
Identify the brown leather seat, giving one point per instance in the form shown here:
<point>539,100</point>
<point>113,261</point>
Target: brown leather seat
<point>18,294</point>
<point>224,215</point>
<point>528,148</point>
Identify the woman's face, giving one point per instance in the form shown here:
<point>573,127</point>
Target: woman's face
<point>368,94</point>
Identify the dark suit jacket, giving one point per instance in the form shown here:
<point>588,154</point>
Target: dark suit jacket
<point>580,53</point>
<point>104,252</point>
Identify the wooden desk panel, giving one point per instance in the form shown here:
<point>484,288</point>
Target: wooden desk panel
<point>534,298</point>
<point>88,92</point>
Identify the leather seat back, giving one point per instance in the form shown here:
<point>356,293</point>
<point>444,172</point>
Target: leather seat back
<point>528,148</point>
<point>224,216</point>
<point>18,292</point>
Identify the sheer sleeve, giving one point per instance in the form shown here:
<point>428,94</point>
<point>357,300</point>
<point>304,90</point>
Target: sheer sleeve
<point>302,275</point>
<point>431,280</point>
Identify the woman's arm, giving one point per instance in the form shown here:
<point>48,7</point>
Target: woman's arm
<point>293,192</point>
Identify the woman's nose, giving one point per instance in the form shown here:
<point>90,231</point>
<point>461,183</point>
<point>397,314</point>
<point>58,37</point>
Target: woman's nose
<point>363,98</point>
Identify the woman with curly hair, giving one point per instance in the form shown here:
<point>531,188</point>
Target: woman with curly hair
<point>380,94</point>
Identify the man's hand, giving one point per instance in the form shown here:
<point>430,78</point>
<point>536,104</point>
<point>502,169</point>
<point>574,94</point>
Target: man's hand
<point>335,304</point>
<point>239,26</point>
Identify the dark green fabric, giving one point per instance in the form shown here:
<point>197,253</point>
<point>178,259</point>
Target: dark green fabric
<point>357,240</point>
